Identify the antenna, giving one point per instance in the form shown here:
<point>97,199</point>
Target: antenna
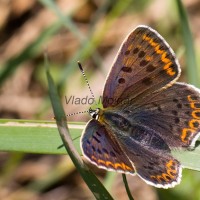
<point>76,113</point>
<point>86,80</point>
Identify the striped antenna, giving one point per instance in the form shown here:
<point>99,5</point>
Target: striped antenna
<point>86,80</point>
<point>76,113</point>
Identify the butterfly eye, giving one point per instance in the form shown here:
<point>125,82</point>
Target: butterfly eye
<point>95,116</point>
<point>94,113</point>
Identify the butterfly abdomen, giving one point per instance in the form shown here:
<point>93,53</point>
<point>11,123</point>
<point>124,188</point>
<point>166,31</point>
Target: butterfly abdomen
<point>149,139</point>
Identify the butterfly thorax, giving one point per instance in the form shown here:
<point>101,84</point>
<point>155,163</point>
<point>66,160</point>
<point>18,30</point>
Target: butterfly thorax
<point>111,118</point>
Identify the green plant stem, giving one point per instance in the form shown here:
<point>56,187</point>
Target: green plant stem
<point>127,187</point>
<point>90,179</point>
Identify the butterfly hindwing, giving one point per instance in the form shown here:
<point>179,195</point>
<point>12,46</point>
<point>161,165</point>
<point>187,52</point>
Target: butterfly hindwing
<point>102,150</point>
<point>144,64</point>
<point>151,157</point>
<point>160,170</point>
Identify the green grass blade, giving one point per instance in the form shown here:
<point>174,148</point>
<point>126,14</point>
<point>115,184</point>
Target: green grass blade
<point>127,187</point>
<point>189,159</point>
<point>90,179</point>
<point>35,136</point>
<point>109,180</point>
<point>192,69</point>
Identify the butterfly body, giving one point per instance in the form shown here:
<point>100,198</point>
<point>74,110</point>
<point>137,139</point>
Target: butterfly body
<point>145,114</point>
<point>123,125</point>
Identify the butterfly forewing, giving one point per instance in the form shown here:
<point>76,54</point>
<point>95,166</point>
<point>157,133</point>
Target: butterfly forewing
<point>103,150</point>
<point>144,64</point>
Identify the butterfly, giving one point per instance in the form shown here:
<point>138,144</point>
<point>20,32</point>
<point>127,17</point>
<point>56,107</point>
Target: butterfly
<point>145,114</point>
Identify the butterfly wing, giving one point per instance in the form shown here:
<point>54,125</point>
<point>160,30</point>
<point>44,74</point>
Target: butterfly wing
<point>144,64</point>
<point>173,113</point>
<point>102,150</point>
<point>156,167</point>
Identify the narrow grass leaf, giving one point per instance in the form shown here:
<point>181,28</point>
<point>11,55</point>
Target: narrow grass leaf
<point>192,69</point>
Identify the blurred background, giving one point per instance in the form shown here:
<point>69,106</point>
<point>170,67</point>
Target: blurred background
<point>90,31</point>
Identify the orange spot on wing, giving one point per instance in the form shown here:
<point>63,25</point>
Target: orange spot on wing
<point>170,173</point>
<point>163,57</point>
<point>193,105</point>
<point>186,133</point>
<point>108,163</point>
<point>196,114</point>
<point>94,158</point>
<point>128,61</point>
<point>130,47</point>
<point>192,122</point>
<point>122,166</point>
<point>166,177</point>
<point>150,40</point>
<point>128,168</point>
<point>159,178</point>
<point>149,58</point>
<point>101,162</point>
<point>118,165</point>
<point>158,51</point>
<point>167,66</point>
<point>170,170</point>
<point>190,99</point>
<point>169,70</point>
<point>144,37</point>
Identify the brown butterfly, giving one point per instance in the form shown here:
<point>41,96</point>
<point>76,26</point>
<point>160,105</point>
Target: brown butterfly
<point>145,114</point>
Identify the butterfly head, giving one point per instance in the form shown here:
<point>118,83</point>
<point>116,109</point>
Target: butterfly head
<point>94,113</point>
